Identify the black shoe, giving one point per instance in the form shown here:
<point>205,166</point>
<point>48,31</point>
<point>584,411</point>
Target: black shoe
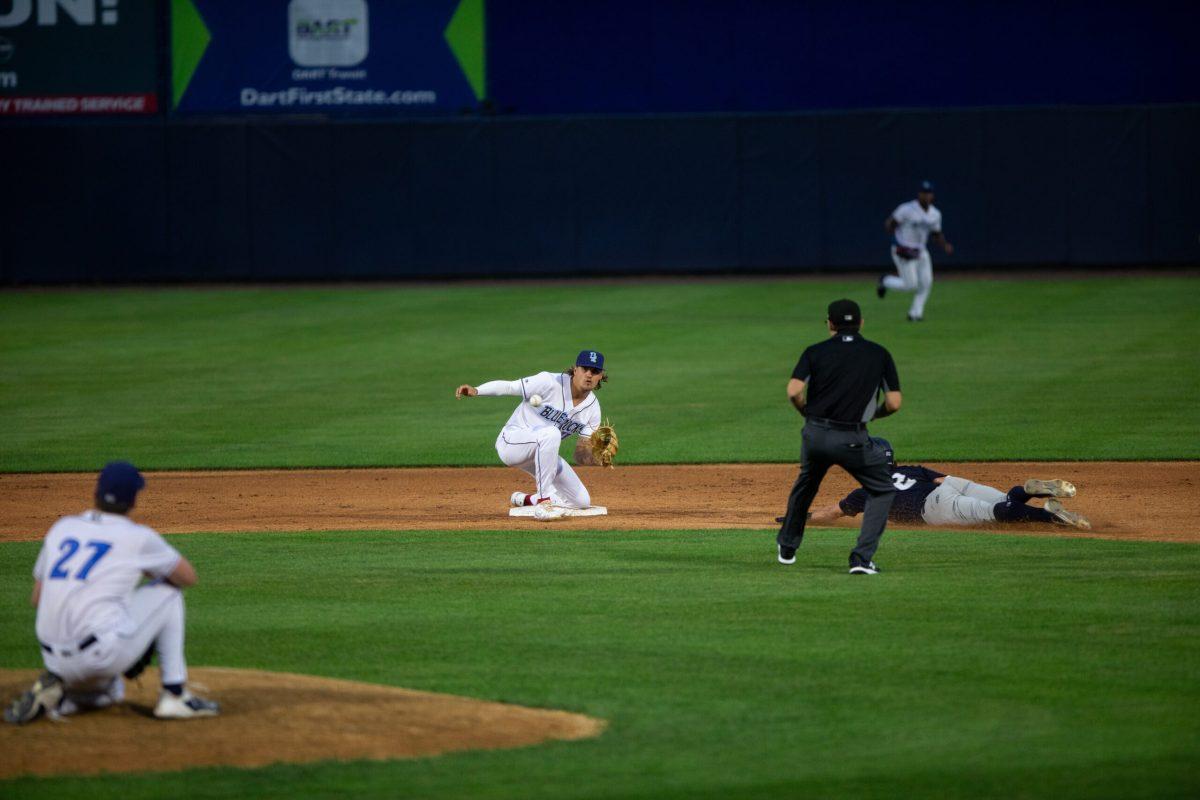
<point>880,289</point>
<point>911,318</point>
<point>787,555</point>
<point>44,695</point>
<point>869,568</point>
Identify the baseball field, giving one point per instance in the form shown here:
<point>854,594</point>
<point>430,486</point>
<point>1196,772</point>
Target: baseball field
<point>375,625</point>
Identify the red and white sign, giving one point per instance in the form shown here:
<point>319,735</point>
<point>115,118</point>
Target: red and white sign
<point>80,104</point>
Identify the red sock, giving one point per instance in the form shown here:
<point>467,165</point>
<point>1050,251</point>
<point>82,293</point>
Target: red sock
<point>529,501</point>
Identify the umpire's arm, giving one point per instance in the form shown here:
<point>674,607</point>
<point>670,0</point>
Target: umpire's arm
<point>795,393</point>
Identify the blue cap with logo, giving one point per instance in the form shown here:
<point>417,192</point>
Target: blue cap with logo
<point>119,483</point>
<point>926,186</point>
<point>590,358</point>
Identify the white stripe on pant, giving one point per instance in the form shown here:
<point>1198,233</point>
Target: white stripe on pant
<point>155,617</point>
<point>536,452</point>
<point>960,502</point>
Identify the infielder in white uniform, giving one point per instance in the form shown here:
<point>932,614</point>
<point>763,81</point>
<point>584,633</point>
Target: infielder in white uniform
<point>912,225</point>
<point>554,406</point>
<point>95,623</point>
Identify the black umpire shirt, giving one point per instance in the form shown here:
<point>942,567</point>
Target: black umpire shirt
<point>844,374</point>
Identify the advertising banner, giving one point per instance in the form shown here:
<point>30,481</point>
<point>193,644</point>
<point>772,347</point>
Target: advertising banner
<point>356,57</point>
<point>77,57</point>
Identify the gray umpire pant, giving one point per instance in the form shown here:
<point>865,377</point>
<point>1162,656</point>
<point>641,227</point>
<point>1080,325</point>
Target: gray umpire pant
<point>853,451</point>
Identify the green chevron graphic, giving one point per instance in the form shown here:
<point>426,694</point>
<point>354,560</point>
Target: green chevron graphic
<point>189,40</point>
<point>465,35</point>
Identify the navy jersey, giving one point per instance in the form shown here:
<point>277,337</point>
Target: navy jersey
<point>913,485</point>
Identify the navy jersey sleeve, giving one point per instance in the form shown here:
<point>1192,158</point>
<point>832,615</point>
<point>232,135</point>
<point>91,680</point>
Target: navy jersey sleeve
<point>853,503</point>
<point>891,378</point>
<point>803,369</point>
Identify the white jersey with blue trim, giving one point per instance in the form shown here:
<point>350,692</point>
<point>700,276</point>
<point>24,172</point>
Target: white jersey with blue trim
<point>557,410</point>
<point>914,223</point>
<point>89,566</point>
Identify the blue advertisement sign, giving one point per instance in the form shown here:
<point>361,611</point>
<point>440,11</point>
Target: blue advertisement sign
<point>354,57</point>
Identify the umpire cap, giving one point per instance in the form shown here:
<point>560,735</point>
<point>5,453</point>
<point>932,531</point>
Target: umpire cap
<point>844,313</point>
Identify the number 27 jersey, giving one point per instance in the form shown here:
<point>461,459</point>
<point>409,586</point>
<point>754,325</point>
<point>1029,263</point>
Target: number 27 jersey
<point>89,566</point>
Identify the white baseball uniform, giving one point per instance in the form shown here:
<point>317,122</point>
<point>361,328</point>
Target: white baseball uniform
<point>913,226</point>
<point>93,619</point>
<point>958,501</point>
<point>530,439</point>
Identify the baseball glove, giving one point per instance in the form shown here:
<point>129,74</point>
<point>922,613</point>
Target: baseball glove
<point>604,445</point>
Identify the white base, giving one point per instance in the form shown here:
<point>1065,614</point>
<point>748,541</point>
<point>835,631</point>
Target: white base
<point>590,511</point>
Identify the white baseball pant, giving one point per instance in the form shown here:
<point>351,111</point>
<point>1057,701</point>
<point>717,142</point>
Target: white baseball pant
<point>155,618</point>
<point>960,502</point>
<point>916,275</point>
<point>536,452</point>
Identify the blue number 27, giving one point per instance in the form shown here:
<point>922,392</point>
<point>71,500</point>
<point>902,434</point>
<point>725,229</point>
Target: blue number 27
<point>69,548</point>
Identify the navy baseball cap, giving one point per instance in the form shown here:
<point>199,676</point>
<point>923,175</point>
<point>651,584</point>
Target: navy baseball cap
<point>926,186</point>
<point>590,358</point>
<point>844,312</point>
<point>119,483</point>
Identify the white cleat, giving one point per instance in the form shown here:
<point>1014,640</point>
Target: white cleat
<point>517,500</point>
<point>1054,488</point>
<point>546,511</point>
<point>184,706</point>
<point>1068,517</point>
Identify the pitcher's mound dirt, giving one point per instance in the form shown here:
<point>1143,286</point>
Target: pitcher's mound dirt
<point>269,717</point>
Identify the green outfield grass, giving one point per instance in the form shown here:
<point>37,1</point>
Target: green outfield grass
<point>977,666</point>
<point>1079,369</point>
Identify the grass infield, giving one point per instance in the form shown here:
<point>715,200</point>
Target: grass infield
<point>295,377</point>
<point>979,665</point>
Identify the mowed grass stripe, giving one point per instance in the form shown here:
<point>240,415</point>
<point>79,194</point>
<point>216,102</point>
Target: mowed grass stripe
<point>296,377</point>
<point>977,666</point>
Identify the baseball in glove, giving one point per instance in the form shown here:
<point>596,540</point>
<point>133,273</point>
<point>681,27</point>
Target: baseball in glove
<point>604,445</point>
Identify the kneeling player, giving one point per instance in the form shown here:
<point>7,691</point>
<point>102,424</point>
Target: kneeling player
<point>925,495</point>
<point>529,441</point>
<point>95,624</point>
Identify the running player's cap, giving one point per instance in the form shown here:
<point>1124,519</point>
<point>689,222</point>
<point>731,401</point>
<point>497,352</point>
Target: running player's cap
<point>926,186</point>
<point>119,483</point>
<point>590,358</point>
<point>844,312</point>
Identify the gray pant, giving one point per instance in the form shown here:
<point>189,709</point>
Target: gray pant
<point>854,452</point>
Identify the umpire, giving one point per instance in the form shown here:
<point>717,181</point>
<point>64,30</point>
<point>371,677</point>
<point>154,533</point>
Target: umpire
<point>843,376</point>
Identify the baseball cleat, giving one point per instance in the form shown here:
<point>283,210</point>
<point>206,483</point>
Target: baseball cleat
<point>1068,517</point>
<point>787,555</point>
<point>546,511</point>
<point>880,289</point>
<point>912,318</point>
<point>184,706</point>
<point>865,569</point>
<point>45,695</point>
<point>1054,488</point>
<point>517,500</point>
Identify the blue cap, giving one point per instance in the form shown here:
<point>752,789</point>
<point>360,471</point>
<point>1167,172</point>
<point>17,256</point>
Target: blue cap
<point>590,358</point>
<point>119,483</point>
<point>926,186</point>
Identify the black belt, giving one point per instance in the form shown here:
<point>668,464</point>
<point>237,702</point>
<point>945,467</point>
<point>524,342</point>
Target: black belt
<point>838,426</point>
<point>83,645</point>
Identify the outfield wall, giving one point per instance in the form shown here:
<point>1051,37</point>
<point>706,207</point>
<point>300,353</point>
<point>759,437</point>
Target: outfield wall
<point>272,199</point>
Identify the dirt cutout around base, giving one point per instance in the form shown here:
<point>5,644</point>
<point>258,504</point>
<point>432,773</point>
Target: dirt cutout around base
<point>1125,500</point>
<point>267,718</point>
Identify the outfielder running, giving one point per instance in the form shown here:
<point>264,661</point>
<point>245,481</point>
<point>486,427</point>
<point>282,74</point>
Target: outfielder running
<point>929,496</point>
<point>95,624</point>
<point>911,225</point>
<point>554,406</point>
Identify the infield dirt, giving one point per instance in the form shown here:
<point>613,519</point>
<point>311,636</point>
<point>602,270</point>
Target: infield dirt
<point>1125,500</point>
